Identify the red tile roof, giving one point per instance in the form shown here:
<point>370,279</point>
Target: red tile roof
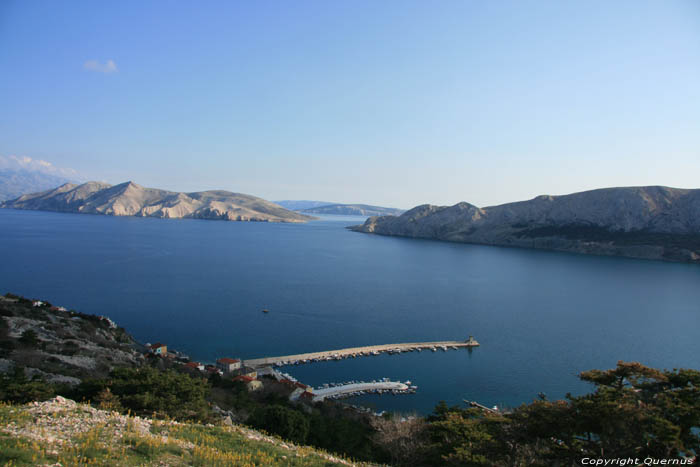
<point>192,365</point>
<point>157,345</point>
<point>228,360</point>
<point>245,379</point>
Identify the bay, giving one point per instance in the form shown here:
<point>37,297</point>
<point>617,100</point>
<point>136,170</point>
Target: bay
<point>199,286</point>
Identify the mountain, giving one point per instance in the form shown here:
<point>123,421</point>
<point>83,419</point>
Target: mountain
<point>643,222</point>
<point>300,205</point>
<point>130,199</point>
<point>354,210</point>
<point>16,182</point>
<point>22,174</point>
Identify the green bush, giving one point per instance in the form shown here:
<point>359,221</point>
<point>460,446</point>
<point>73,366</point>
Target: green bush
<point>285,422</point>
<point>17,388</point>
<point>29,338</point>
<point>147,390</point>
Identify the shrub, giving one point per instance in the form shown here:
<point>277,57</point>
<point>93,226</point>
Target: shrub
<point>29,338</point>
<point>288,423</point>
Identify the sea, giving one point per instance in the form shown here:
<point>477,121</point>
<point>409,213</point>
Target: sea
<point>200,287</point>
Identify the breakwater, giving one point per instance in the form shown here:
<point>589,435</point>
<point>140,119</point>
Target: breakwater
<point>366,351</point>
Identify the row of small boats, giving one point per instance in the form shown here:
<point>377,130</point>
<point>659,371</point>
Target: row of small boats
<point>366,353</point>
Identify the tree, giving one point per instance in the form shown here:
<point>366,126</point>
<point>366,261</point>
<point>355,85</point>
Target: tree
<point>635,411</point>
<point>147,390</point>
<point>288,423</point>
<point>29,338</point>
<point>17,388</point>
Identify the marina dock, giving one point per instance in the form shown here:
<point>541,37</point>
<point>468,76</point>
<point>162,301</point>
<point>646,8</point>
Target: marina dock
<point>360,388</point>
<point>366,351</point>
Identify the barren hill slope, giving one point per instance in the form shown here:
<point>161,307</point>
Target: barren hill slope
<point>645,222</point>
<point>130,199</point>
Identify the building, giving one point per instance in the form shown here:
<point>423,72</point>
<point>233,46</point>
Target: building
<point>194,366</point>
<point>211,370</point>
<point>228,365</point>
<point>251,383</point>
<point>158,349</point>
<point>247,371</point>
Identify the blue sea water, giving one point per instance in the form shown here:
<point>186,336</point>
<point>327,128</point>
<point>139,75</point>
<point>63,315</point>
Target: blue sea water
<point>199,286</point>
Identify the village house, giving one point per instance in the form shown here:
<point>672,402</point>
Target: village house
<point>227,365</point>
<point>247,371</point>
<point>194,366</point>
<point>158,349</point>
<point>301,392</point>
<point>251,383</point>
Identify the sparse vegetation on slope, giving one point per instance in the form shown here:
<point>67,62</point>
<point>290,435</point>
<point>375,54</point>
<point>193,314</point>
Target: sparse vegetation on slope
<point>62,432</point>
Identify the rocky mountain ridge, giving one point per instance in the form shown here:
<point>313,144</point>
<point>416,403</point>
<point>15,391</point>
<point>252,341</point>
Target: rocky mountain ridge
<point>130,199</point>
<point>652,222</point>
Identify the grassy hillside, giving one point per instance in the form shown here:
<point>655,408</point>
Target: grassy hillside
<point>61,432</point>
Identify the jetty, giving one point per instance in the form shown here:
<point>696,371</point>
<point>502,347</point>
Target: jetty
<point>361,388</point>
<point>366,351</point>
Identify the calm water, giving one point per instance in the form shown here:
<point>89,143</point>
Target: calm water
<point>199,286</point>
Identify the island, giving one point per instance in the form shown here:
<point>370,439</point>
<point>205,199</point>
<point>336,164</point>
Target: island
<point>130,199</point>
<point>354,210</point>
<point>653,222</point>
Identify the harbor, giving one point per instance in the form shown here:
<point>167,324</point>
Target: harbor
<point>366,351</point>
<point>359,388</point>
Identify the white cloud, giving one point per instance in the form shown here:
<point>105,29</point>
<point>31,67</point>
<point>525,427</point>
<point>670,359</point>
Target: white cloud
<point>36,165</point>
<point>107,67</point>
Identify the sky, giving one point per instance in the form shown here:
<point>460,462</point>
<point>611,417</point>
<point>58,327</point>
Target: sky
<point>393,103</point>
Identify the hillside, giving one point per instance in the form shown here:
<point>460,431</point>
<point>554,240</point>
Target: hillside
<point>59,345</point>
<point>62,432</point>
<point>641,222</point>
<point>354,210</point>
<point>47,351</point>
<point>130,199</point>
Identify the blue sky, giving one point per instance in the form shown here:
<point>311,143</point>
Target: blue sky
<point>394,103</point>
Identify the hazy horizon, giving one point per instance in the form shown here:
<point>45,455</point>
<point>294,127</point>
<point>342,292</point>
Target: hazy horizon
<point>393,104</point>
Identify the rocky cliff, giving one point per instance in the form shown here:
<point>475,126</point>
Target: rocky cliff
<point>643,222</point>
<point>130,199</point>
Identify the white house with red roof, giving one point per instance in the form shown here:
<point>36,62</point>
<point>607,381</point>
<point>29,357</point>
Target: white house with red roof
<point>228,365</point>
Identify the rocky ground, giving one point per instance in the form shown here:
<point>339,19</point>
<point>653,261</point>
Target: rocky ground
<point>61,432</point>
<point>61,345</point>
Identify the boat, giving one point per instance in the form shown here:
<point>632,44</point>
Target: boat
<point>265,310</point>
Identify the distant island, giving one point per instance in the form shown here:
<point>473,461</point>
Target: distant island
<point>300,205</point>
<point>652,222</point>
<point>130,199</point>
<point>354,210</point>
<point>342,209</point>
